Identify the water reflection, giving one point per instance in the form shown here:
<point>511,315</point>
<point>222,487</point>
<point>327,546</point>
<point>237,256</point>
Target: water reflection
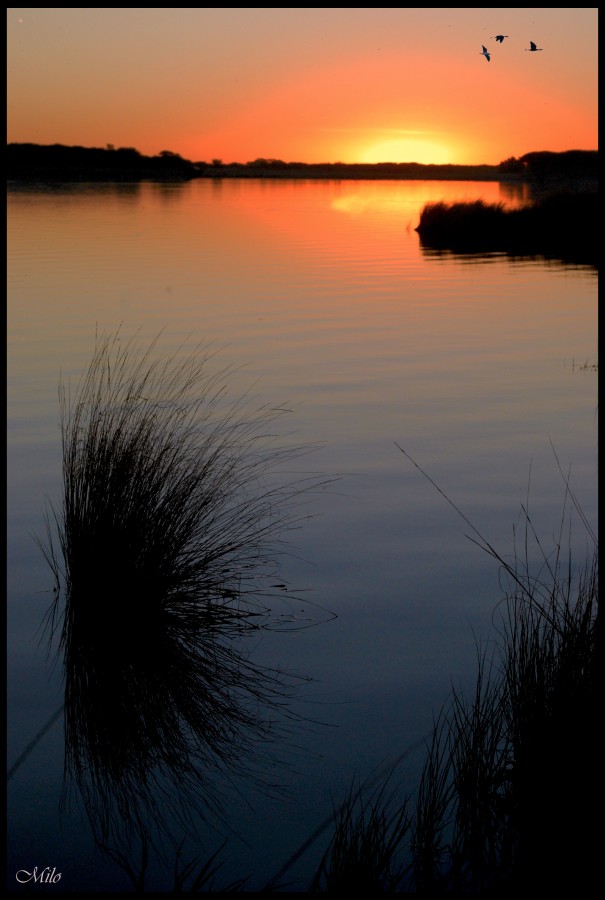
<point>165,566</point>
<point>371,340</point>
<point>582,259</point>
<point>397,197</point>
<point>120,190</point>
<point>435,255</point>
<point>517,193</point>
<point>168,191</point>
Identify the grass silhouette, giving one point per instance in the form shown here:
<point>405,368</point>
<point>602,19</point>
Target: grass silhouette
<point>559,225</point>
<point>369,830</point>
<point>165,550</point>
<point>509,791</point>
<point>165,562</point>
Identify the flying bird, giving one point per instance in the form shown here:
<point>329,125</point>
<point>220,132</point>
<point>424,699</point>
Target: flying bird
<point>500,37</point>
<point>532,47</point>
<point>484,53</point>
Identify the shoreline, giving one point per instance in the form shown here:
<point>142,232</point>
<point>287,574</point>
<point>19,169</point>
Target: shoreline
<point>43,163</point>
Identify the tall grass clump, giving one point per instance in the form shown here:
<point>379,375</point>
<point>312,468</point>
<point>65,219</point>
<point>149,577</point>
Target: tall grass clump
<point>515,767</point>
<point>472,221</point>
<point>558,225</point>
<point>364,853</point>
<point>510,793</point>
<point>553,698</point>
<point>165,551</point>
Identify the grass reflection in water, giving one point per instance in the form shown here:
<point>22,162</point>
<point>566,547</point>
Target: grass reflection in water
<point>165,549</point>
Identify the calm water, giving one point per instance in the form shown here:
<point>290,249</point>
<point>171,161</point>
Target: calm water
<point>322,297</point>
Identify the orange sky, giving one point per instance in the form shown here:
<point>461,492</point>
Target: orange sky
<point>307,84</point>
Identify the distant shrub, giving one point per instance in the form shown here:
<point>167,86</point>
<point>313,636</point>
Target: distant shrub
<point>559,225</point>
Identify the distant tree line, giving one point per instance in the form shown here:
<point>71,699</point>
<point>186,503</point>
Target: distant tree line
<point>59,162</point>
<point>277,168</point>
<point>547,165</point>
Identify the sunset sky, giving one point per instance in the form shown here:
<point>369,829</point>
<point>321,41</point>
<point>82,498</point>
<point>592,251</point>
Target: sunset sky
<point>305,84</point>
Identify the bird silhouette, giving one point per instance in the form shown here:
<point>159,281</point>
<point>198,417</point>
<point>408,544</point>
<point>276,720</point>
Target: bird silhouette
<point>532,47</point>
<point>500,37</point>
<point>484,53</point>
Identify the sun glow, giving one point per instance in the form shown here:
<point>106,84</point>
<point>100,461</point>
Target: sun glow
<point>406,149</point>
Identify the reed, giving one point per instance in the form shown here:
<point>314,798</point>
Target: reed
<point>469,221</point>
<point>522,751</point>
<point>364,853</point>
<point>509,791</point>
<point>552,692</point>
<point>165,551</point>
<point>194,875</point>
<point>557,225</point>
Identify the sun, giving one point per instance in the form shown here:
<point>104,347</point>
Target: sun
<point>406,150</point>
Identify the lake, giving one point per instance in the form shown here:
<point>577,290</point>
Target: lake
<point>322,300</point>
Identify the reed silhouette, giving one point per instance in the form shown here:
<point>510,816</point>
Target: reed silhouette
<point>165,551</point>
<point>559,226</point>
<point>509,791</point>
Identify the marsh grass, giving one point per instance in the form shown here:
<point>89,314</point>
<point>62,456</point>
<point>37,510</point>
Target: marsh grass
<point>559,225</point>
<point>165,551</point>
<point>470,220</point>
<point>364,852</point>
<point>510,791</point>
<point>192,875</point>
<point>515,765</point>
<point>553,697</point>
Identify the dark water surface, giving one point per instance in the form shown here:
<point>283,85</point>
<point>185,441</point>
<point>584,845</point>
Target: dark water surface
<point>320,295</point>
